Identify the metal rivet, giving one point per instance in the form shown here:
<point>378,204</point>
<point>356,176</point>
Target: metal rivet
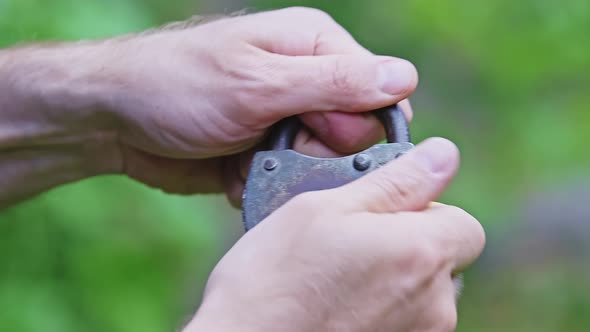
<point>270,164</point>
<point>362,162</point>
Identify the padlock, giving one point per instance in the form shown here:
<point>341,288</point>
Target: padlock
<point>278,175</point>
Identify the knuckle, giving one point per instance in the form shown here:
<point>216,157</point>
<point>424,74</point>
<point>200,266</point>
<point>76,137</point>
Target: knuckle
<point>447,320</point>
<point>343,79</point>
<point>399,190</point>
<point>257,83</point>
<point>422,259</point>
<point>427,256</point>
<point>469,224</point>
<point>421,264</point>
<point>309,12</point>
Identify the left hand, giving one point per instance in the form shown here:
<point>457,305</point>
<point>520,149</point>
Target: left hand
<point>192,102</point>
<point>184,109</point>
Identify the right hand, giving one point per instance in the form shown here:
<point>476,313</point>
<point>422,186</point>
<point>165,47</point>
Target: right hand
<point>374,255</point>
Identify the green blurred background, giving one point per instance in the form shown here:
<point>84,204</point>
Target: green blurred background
<point>508,81</point>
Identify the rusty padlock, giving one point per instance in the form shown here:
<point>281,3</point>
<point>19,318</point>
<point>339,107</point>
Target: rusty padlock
<point>281,173</point>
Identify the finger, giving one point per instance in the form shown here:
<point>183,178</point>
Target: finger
<point>442,314</point>
<point>345,133</point>
<point>450,233</point>
<point>455,232</point>
<point>235,173</point>
<point>406,107</point>
<point>348,83</point>
<point>308,144</point>
<point>408,183</point>
<point>178,176</point>
<point>322,35</point>
<point>349,132</point>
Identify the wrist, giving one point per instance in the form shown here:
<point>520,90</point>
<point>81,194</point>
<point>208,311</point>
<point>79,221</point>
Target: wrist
<point>53,130</point>
<point>53,105</point>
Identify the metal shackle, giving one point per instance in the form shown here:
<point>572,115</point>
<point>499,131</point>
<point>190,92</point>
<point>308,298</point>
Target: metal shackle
<point>391,117</point>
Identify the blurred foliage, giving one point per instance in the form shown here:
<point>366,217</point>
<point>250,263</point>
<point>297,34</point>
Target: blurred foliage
<point>508,81</point>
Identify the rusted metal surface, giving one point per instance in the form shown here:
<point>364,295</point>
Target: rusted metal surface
<point>267,190</point>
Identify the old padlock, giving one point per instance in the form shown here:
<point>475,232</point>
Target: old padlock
<point>280,174</point>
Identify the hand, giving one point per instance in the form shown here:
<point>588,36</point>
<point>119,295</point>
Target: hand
<point>190,103</point>
<point>380,258</point>
<point>183,109</point>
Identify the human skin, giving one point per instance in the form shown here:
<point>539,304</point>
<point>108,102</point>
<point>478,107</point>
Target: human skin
<point>381,258</point>
<point>184,109</point>
<point>180,109</point>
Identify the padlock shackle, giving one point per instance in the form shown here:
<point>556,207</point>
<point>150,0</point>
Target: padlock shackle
<point>397,129</point>
<point>392,117</point>
<point>283,134</point>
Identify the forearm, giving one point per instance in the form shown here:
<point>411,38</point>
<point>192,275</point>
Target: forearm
<point>53,129</point>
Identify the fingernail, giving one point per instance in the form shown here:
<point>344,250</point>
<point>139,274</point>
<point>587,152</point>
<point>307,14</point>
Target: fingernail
<point>396,76</point>
<point>436,155</point>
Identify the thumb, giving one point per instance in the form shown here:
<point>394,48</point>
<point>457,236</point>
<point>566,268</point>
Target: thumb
<point>349,83</point>
<point>409,183</point>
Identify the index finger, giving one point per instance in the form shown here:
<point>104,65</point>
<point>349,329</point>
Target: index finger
<point>455,230</point>
<point>453,234</point>
<point>320,35</point>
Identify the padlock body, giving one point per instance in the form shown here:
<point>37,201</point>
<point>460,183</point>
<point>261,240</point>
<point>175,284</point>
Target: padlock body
<point>277,176</point>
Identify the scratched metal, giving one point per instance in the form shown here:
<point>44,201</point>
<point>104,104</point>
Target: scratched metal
<point>295,173</point>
